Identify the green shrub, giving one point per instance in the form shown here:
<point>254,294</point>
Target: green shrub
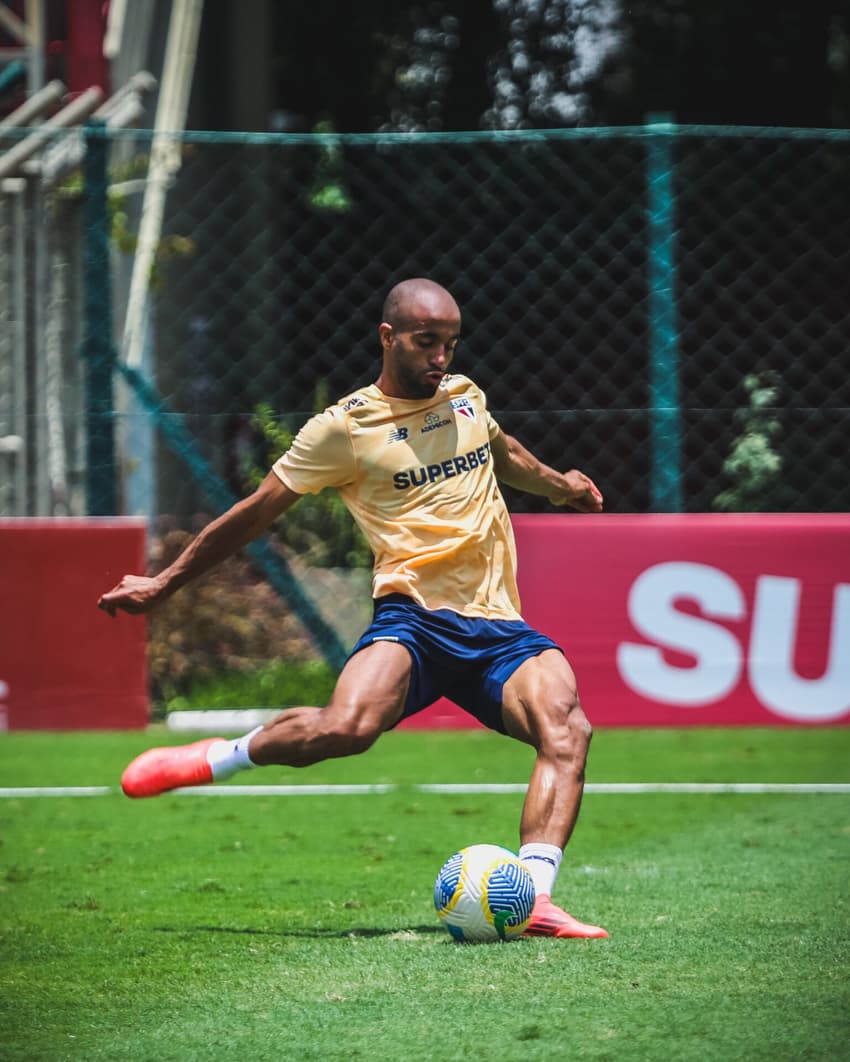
<point>278,685</point>
<point>229,621</point>
<point>754,465</point>
<point>228,639</point>
<point>319,528</point>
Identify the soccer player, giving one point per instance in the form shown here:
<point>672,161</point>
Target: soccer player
<point>416,457</point>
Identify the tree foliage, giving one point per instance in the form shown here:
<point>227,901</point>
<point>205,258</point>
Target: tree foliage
<point>467,64</point>
<point>754,464</point>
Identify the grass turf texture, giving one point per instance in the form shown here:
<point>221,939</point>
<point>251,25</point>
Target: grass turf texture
<point>302,928</point>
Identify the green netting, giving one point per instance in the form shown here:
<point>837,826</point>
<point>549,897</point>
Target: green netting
<point>723,374</point>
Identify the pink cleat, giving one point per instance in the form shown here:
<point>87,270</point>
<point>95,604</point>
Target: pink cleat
<point>158,770</point>
<point>547,920</point>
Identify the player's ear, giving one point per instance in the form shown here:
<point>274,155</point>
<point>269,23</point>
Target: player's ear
<point>385,332</point>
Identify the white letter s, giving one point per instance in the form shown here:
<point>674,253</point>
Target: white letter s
<point>653,613</point>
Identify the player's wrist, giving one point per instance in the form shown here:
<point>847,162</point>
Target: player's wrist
<point>163,585</point>
<point>563,492</point>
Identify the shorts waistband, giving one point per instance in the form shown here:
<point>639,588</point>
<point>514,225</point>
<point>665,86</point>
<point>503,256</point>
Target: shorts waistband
<point>395,599</point>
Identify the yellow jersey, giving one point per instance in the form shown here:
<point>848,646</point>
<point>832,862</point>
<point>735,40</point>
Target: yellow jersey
<point>417,476</point>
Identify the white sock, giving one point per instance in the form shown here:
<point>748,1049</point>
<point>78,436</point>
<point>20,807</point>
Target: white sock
<point>227,757</point>
<point>543,862</point>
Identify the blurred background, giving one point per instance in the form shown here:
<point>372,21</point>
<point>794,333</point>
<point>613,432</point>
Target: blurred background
<point>640,207</point>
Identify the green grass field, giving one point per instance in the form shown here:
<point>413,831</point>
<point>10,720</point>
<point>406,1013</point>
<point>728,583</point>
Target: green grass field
<point>296,928</point>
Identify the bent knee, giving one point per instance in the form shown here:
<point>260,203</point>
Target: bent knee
<point>348,733</point>
<point>581,724</point>
<point>363,736</point>
<point>568,733</point>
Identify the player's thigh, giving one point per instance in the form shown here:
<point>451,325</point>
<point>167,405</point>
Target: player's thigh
<point>373,685</point>
<point>540,699</point>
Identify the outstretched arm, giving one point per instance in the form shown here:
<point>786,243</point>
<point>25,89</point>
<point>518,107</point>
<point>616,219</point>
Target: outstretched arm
<point>226,535</point>
<point>518,467</point>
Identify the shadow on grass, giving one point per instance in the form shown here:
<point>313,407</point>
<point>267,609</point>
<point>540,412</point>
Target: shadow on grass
<point>317,933</point>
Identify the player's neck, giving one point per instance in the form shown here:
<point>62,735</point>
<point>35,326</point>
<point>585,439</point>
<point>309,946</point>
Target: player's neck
<point>393,389</point>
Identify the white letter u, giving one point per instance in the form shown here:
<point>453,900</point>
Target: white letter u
<point>771,657</point>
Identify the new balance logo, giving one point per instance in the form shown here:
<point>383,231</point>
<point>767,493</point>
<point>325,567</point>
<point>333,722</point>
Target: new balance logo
<point>397,435</point>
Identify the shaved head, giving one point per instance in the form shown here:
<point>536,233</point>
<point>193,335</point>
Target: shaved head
<point>419,332</point>
<point>417,298</point>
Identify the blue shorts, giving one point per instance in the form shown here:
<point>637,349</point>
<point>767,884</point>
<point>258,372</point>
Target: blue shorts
<point>465,659</point>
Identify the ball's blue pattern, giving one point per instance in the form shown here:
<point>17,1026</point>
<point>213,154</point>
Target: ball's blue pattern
<point>447,880</point>
<point>510,892</point>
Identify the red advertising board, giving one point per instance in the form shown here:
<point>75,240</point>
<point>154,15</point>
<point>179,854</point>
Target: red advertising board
<point>667,620</point>
<point>63,664</point>
<point>671,620</point>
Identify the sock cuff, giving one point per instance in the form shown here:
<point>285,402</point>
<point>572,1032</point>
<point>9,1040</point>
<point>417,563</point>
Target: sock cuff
<point>543,862</point>
<point>242,746</point>
<point>229,756</point>
<point>548,853</point>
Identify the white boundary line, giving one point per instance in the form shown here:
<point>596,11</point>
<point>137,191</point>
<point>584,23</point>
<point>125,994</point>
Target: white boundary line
<point>459,788</point>
<point>653,787</point>
<point>285,790</point>
<point>56,791</point>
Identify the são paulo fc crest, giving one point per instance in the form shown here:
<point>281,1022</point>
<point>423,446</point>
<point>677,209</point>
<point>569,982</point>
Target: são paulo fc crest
<point>464,407</point>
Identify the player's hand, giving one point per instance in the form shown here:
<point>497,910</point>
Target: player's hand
<point>134,594</point>
<point>579,492</point>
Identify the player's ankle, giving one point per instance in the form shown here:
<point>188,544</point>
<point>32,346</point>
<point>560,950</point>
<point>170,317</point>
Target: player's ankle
<point>543,862</point>
<point>226,758</point>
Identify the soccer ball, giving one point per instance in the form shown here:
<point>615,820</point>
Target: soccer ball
<point>484,893</point>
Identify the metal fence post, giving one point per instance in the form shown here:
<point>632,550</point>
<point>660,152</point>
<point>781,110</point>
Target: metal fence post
<point>666,479</point>
<point>15,187</point>
<point>11,445</point>
<point>98,350</point>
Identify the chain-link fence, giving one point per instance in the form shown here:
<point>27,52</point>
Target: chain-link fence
<point>666,308</point>
<point>658,304</point>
